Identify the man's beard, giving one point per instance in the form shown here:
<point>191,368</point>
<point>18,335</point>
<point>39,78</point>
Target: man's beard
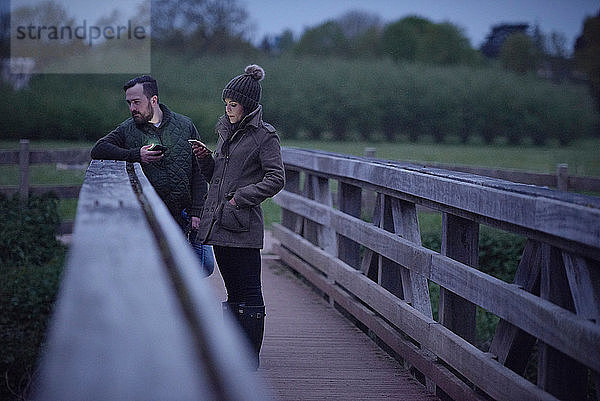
<point>141,117</point>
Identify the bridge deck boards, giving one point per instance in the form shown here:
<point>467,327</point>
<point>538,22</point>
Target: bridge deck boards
<point>311,352</point>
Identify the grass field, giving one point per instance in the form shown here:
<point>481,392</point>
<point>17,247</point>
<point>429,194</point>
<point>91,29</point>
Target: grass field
<point>581,156</point>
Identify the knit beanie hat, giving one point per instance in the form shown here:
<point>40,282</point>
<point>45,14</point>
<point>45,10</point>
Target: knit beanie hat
<point>245,88</point>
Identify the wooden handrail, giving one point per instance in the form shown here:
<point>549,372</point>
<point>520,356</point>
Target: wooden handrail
<point>134,319</point>
<point>378,271</point>
<point>81,156</point>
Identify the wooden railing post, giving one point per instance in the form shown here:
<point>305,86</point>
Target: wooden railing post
<point>511,345</point>
<point>391,275</point>
<point>368,195</point>
<point>326,237</point>
<point>349,199</point>
<point>460,241</point>
<point>309,227</point>
<point>24,170</point>
<point>562,177</point>
<point>558,374</point>
<point>292,184</point>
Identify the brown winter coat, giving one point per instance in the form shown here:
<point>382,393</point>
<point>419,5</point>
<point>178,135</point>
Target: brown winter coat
<point>247,166</point>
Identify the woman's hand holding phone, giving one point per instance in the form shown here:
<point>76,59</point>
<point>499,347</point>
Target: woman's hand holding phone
<point>200,149</point>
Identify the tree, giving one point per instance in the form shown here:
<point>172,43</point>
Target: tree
<point>587,54</point>
<point>368,44</point>
<point>175,20</point>
<point>444,44</point>
<point>213,26</point>
<point>539,39</point>
<point>4,29</point>
<point>417,39</point>
<point>518,54</point>
<point>558,45</point>
<point>285,41</point>
<point>400,38</point>
<point>557,58</point>
<point>356,23</point>
<point>47,47</point>
<point>278,44</point>
<point>362,31</point>
<point>327,39</point>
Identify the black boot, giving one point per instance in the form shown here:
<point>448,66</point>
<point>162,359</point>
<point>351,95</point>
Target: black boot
<point>252,321</point>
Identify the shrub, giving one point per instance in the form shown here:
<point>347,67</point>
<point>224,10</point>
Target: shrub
<point>499,256</point>
<point>28,233</point>
<point>320,98</point>
<point>518,53</point>
<point>28,294</point>
<point>31,262</point>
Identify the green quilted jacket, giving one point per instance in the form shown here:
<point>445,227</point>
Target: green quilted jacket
<point>176,177</point>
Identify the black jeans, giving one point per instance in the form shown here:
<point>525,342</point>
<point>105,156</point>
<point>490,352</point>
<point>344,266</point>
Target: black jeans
<point>240,269</point>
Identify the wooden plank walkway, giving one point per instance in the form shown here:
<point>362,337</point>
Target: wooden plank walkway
<point>311,352</point>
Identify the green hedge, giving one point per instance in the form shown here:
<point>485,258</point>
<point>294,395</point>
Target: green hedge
<point>28,233</point>
<point>384,100</point>
<point>31,263</point>
<point>320,98</point>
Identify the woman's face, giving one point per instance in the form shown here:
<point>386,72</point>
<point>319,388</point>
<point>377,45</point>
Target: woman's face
<point>234,111</point>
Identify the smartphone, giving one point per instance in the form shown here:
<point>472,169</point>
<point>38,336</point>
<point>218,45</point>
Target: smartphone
<point>197,142</point>
<point>158,146</point>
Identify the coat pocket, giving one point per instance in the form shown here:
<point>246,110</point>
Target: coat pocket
<point>235,219</point>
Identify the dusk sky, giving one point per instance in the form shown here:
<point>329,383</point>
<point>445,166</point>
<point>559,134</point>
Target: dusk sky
<point>475,17</point>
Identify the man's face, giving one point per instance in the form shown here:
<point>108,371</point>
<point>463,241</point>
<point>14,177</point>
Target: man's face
<point>140,106</point>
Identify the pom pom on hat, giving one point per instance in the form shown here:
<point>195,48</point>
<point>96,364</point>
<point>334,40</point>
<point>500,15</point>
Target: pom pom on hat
<point>255,71</point>
<point>246,88</point>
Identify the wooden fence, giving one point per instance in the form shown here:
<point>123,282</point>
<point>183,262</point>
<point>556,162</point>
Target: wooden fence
<point>24,157</point>
<point>134,319</point>
<point>562,180</point>
<point>378,272</point>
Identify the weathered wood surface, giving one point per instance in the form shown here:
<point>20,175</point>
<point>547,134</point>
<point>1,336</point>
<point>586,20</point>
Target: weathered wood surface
<point>567,223</point>
<point>134,319</point>
<point>475,365</point>
<point>67,156</point>
<point>460,241</point>
<point>565,217</point>
<point>577,337</point>
<point>312,353</point>
<point>573,182</point>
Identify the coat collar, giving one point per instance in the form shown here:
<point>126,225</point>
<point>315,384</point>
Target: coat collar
<point>253,119</point>
<point>166,114</point>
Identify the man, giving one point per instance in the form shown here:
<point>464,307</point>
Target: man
<point>173,172</point>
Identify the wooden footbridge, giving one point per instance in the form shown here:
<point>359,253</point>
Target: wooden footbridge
<point>347,287</point>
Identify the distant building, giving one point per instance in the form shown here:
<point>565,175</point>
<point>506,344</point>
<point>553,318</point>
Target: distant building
<point>17,71</point>
<point>495,40</point>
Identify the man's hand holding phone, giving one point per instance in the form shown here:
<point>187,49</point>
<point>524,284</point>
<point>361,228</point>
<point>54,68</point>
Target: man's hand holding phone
<point>151,153</point>
<point>200,149</point>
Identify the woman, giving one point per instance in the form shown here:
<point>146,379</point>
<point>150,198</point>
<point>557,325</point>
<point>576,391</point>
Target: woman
<point>246,169</point>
